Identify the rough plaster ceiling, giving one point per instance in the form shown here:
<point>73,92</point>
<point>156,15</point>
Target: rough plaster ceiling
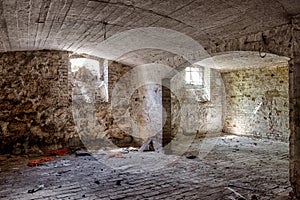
<point>242,60</point>
<point>79,25</point>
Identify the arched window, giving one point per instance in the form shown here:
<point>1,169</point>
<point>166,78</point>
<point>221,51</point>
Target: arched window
<point>197,79</point>
<point>194,76</point>
<point>89,80</point>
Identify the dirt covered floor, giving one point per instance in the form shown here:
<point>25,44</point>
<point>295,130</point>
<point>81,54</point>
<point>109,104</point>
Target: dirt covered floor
<point>235,168</point>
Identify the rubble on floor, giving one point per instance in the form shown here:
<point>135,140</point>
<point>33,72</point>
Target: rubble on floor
<point>35,163</point>
<point>259,170</point>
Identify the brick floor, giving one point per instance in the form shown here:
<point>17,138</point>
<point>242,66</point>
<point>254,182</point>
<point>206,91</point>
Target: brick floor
<point>246,165</point>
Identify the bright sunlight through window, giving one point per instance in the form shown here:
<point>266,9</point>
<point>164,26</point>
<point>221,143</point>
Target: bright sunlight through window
<point>194,75</point>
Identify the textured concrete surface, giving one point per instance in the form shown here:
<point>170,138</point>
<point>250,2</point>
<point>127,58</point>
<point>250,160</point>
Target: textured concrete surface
<point>251,167</point>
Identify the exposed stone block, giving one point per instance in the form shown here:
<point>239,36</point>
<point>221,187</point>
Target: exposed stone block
<point>258,102</point>
<point>17,128</point>
<point>32,101</point>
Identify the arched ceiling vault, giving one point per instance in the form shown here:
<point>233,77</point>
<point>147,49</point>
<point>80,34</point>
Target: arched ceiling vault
<point>243,60</point>
<point>80,25</point>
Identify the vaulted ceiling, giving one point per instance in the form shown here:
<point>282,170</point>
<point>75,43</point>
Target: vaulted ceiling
<point>81,25</point>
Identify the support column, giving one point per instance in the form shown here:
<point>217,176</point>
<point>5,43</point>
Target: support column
<point>295,110</point>
<point>166,105</point>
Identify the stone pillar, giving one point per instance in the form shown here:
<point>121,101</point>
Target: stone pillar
<point>295,110</point>
<point>166,106</point>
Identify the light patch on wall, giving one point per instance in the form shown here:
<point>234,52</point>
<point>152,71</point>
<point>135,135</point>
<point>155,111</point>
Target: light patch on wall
<point>90,80</point>
<point>194,75</point>
<point>197,81</point>
<point>258,102</point>
<point>92,65</point>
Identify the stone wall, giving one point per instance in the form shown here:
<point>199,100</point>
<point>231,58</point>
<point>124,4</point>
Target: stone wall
<point>257,102</point>
<point>197,109</point>
<point>39,112</point>
<point>119,130</point>
<point>35,102</point>
<point>136,104</point>
<point>283,41</point>
<point>128,118</point>
<point>146,111</point>
<point>276,40</point>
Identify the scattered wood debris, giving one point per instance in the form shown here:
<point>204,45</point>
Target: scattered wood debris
<point>39,187</point>
<point>59,152</point>
<point>34,163</point>
<point>239,196</point>
<point>116,154</point>
<point>82,153</point>
<point>152,144</point>
<point>237,185</point>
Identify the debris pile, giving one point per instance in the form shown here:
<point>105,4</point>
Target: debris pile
<point>59,152</point>
<point>34,163</point>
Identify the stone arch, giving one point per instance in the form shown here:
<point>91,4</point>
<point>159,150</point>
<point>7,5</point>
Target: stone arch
<point>241,60</point>
<point>278,40</point>
<point>283,41</point>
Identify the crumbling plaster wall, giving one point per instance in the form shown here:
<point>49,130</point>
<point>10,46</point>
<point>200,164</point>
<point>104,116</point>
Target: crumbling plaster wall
<point>39,112</point>
<point>128,118</point>
<point>284,41</point>
<point>257,102</point>
<point>193,110</point>
<point>146,111</point>
<point>136,104</point>
<point>126,123</point>
<point>35,113</point>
